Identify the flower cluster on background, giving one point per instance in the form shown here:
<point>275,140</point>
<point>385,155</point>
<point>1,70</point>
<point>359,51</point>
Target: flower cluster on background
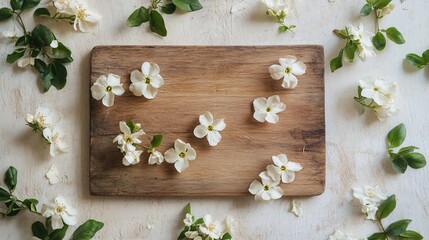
<point>370,198</point>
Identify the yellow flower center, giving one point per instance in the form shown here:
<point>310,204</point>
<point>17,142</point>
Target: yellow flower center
<point>60,209</point>
<point>81,12</point>
<point>288,70</point>
<point>108,89</point>
<point>147,80</point>
<point>370,192</point>
<point>268,109</point>
<point>211,227</point>
<point>283,168</point>
<point>182,155</point>
<point>376,89</point>
<point>128,139</point>
<point>210,128</point>
<point>42,120</point>
<point>266,187</point>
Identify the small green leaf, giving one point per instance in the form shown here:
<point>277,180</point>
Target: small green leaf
<point>12,208</point>
<point>42,12</point>
<point>87,230</point>
<point>410,235</point>
<point>227,236</point>
<point>366,10</point>
<point>39,230</point>
<point>350,50</point>
<point>5,13</point>
<point>157,24</point>
<point>11,58</point>
<point>379,41</point>
<point>35,52</point>
<point>337,62</point>
<point>11,178</point>
<point>22,41</point>
<point>377,236</point>
<point>30,4</point>
<point>395,36</point>
<point>156,141</point>
<point>31,204</point>
<point>16,4</point>
<point>360,89</point>
<point>199,221</point>
<point>59,234</point>
<point>379,4</point>
<point>169,8</point>
<point>61,51</point>
<point>396,136</point>
<point>4,195</point>
<point>59,79</point>
<point>42,36</point>
<point>188,209</point>
<point>138,17</point>
<point>40,65</point>
<point>415,60</point>
<point>426,56</point>
<point>188,5</point>
<point>46,77</point>
<point>386,207</point>
<point>406,150</point>
<point>341,33</point>
<point>398,227</point>
<point>399,163</point>
<point>415,160</point>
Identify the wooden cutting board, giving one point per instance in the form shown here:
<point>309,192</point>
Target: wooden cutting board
<point>224,81</point>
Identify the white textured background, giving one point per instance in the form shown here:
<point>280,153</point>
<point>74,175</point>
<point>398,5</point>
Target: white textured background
<point>355,144</point>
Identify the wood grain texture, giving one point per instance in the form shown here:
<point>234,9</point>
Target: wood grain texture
<point>224,81</point>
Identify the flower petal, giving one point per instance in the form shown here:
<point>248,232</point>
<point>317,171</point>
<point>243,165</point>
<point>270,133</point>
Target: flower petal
<point>272,117</point>
<point>191,154</point>
<point>124,128</point>
<point>57,222</point>
<point>171,155</point>
<point>146,67</point>
<point>149,92</point>
<point>255,187</point>
<point>69,220</point>
<point>118,90</point>
<point>298,68</point>
<point>276,192</point>
<point>98,91</point>
<point>277,72</point>
<point>260,116</point>
<point>181,165</point>
<point>288,176</point>
<point>137,88</point>
<point>273,100</point>
<point>206,119</point>
<point>214,138</point>
<point>260,104</point>
<point>154,71</point>
<point>156,81</point>
<point>200,131</point>
<point>108,99</point>
<point>278,107</point>
<point>113,80</point>
<point>293,166</point>
<point>290,81</point>
<point>136,76</point>
<point>180,145</point>
<point>219,124</point>
<point>287,61</point>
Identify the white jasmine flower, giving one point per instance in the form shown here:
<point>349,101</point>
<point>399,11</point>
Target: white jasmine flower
<point>213,229</point>
<point>366,47</point>
<point>62,5</point>
<point>193,235</point>
<point>147,81</point>
<point>288,69</point>
<point>106,88</point>
<point>387,110</point>
<point>25,61</point>
<point>53,175</point>
<point>83,16</point>
<point>55,139</point>
<point>370,198</point>
<point>267,190</point>
<point>155,158</point>
<point>189,219</point>
<point>131,157</point>
<point>267,109</point>
<point>278,9</point>
<point>127,139</point>
<point>180,155</point>
<point>295,208</point>
<point>29,118</point>
<point>377,89</point>
<point>210,128</point>
<point>54,44</point>
<point>285,168</point>
<point>44,117</point>
<point>271,174</point>
<point>60,211</point>
<point>339,235</point>
<point>385,11</point>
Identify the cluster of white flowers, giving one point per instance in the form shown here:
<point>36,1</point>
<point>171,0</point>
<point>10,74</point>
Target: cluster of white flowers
<point>364,38</point>
<point>82,17</point>
<point>370,198</point>
<point>278,9</point>
<point>44,121</point>
<point>60,212</point>
<point>283,170</point>
<point>288,69</point>
<point>339,235</point>
<point>378,95</point>
<point>128,141</point>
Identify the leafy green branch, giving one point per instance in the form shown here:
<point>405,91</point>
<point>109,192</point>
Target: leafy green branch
<point>406,156</point>
<point>153,16</point>
<point>418,61</point>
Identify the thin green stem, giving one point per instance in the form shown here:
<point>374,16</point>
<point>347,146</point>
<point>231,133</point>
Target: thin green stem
<point>377,23</point>
<point>20,22</point>
<point>382,228</point>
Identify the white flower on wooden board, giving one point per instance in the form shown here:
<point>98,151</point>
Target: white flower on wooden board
<point>267,190</point>
<point>283,168</point>
<point>128,139</point>
<point>131,157</point>
<point>267,109</point>
<point>155,158</point>
<point>180,155</point>
<point>60,211</point>
<point>147,82</point>
<point>106,88</point>
<point>210,128</point>
<point>288,69</point>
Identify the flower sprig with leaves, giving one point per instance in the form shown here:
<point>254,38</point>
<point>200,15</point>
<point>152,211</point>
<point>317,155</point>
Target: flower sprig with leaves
<point>39,48</point>
<point>279,10</point>
<point>418,61</point>
<point>381,8</point>
<point>406,156</point>
<point>153,16</point>
<point>56,216</point>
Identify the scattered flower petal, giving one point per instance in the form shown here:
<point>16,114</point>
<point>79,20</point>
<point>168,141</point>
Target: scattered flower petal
<point>53,175</point>
<point>295,208</point>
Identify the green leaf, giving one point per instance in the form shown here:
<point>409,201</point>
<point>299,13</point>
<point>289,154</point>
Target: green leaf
<point>12,208</point>
<point>188,209</point>
<point>64,60</point>
<point>188,5</point>
<point>350,50</point>
<point>35,52</point>
<point>22,41</point>
<point>5,13</point>
<point>31,204</point>
<point>157,24</point>
<point>42,36</point>
<point>11,58</point>
<point>227,236</point>
<point>87,230</point>
<point>398,227</point>
<point>399,163</point>
<point>199,221</point>
<point>42,12</point>
<point>4,195</point>
<point>138,17</point>
<point>337,62</point>
<point>40,65</point>
<point>59,79</point>
<point>379,4</point>
<point>406,150</point>
<point>415,160</point>
<point>360,89</point>
<point>46,77</point>
<point>366,10</point>
<point>30,4</point>
<point>133,127</point>
<point>156,141</point>
<point>379,41</point>
<point>341,33</point>
<point>415,60</point>
<point>377,236</point>
<point>386,207</point>
<point>39,230</point>
<point>169,8</point>
<point>395,36</point>
<point>426,56</point>
<point>11,178</point>
<point>16,4</point>
<point>61,51</point>
<point>410,235</point>
<point>396,136</point>
<point>59,234</point>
